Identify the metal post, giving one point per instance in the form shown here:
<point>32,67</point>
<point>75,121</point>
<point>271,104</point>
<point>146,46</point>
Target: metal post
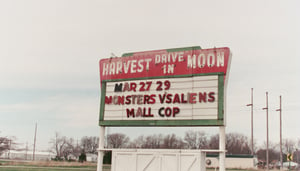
<point>267,120</point>
<point>222,146</point>
<point>101,147</point>
<point>280,118</point>
<point>252,148</point>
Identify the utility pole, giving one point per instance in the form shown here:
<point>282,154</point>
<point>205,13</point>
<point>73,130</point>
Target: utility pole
<point>297,159</point>
<point>267,110</point>
<point>280,118</point>
<point>9,148</point>
<point>33,157</point>
<point>26,150</point>
<point>251,104</point>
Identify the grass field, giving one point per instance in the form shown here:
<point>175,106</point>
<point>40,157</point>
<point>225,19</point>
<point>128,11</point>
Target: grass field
<point>73,169</point>
<point>61,166</point>
<point>48,166</point>
<point>26,168</point>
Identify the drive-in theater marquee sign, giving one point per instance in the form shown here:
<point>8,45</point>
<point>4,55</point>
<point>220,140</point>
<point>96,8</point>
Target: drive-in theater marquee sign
<point>170,87</point>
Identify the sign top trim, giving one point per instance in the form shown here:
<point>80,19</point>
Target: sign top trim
<point>166,62</point>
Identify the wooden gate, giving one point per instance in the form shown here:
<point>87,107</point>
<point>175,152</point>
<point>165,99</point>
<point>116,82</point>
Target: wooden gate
<point>157,160</point>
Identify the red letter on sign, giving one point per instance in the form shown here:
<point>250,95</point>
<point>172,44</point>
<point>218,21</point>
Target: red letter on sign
<point>149,99</point>
<point>162,98</point>
<point>108,99</point>
<point>152,98</point>
<point>148,85</point>
<point>192,98</point>
<point>120,100</point>
<point>132,86</point>
<point>128,100</point>
<point>182,99</point>
<point>175,111</point>
<point>202,97</point>
<point>176,98</point>
<point>211,96</point>
<point>126,87</point>
<point>169,98</point>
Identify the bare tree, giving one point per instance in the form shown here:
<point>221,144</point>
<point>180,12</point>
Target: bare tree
<point>237,144</point>
<point>69,149</point>
<point>172,142</point>
<point>139,142</point>
<point>288,145</point>
<point>213,142</point>
<point>62,146</point>
<point>89,144</point>
<point>157,142</point>
<point>196,140</point>
<point>150,141</point>
<point>154,141</point>
<point>117,140</point>
<point>273,154</point>
<point>4,144</point>
<point>76,149</point>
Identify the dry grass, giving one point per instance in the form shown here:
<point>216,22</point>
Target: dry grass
<point>50,164</point>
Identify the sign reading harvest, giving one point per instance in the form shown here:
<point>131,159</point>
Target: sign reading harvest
<point>164,87</point>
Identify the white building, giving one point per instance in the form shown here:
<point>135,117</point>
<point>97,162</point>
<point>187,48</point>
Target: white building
<point>234,161</point>
<point>91,157</point>
<point>27,155</point>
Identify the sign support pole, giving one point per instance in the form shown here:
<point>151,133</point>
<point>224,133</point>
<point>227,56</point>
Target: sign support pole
<point>101,147</point>
<point>222,153</point>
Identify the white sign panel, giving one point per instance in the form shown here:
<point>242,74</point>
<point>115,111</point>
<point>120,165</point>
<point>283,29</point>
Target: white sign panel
<point>185,98</point>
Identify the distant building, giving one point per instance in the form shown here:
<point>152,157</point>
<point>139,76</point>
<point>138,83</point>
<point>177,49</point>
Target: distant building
<point>234,161</point>
<point>91,157</point>
<point>27,155</point>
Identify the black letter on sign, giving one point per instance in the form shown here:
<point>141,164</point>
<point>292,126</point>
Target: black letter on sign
<point>159,112</point>
<point>118,87</point>
<point>130,112</point>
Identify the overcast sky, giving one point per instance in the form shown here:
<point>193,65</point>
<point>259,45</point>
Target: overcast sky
<point>49,53</point>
